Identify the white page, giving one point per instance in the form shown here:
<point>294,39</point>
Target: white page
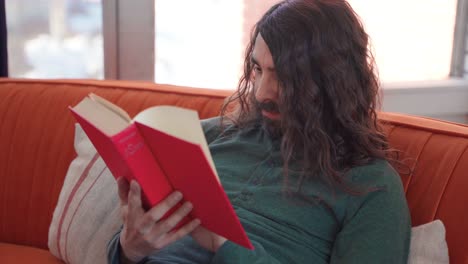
<point>111,106</point>
<point>101,116</point>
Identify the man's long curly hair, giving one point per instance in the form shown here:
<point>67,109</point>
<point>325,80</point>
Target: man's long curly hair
<point>329,89</point>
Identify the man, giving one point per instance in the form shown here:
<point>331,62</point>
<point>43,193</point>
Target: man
<point>299,153</point>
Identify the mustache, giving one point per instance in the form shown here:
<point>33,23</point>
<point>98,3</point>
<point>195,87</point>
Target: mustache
<point>268,105</point>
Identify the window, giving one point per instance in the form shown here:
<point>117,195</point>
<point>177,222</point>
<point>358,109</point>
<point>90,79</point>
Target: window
<point>55,38</point>
<point>203,43</point>
<point>412,39</point>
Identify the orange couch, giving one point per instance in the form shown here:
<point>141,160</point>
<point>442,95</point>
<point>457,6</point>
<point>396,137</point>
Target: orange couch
<point>36,143</point>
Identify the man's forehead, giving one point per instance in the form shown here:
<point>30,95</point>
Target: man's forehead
<point>261,54</point>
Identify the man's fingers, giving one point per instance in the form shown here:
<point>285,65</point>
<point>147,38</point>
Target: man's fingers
<point>124,213</point>
<point>168,224</point>
<point>158,211</point>
<point>183,231</point>
<point>135,209</point>
<point>123,187</point>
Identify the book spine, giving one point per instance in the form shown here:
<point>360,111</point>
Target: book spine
<point>142,166</point>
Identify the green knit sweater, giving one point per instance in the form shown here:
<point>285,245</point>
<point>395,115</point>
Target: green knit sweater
<point>331,227</point>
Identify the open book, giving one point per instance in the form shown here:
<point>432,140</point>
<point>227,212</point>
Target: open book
<point>164,149</point>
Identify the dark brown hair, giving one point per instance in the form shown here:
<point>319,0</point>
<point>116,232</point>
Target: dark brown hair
<point>329,89</point>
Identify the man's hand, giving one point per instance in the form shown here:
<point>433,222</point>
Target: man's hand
<point>208,239</point>
<point>143,232</point>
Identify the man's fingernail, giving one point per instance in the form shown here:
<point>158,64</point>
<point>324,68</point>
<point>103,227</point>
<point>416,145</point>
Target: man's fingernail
<point>134,185</point>
<point>177,196</point>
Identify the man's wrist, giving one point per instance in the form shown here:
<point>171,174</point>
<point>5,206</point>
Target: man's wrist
<point>123,258</point>
<point>219,243</point>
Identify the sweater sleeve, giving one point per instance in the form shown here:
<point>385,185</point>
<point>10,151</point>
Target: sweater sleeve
<point>113,249</point>
<point>376,228</point>
<point>231,253</point>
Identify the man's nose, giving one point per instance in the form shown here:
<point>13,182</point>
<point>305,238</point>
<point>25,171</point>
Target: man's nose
<point>264,91</point>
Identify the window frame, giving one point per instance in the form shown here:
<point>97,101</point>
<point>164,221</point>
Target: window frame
<point>460,49</point>
<point>129,39</point>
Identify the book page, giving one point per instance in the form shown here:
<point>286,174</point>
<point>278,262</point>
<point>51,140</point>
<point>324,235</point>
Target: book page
<point>100,116</point>
<point>178,122</point>
<point>111,107</point>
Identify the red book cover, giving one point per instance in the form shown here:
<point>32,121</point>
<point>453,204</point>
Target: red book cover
<point>162,163</point>
<point>189,172</point>
<point>127,155</point>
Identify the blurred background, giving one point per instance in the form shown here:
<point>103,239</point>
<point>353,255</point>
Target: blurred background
<point>201,43</point>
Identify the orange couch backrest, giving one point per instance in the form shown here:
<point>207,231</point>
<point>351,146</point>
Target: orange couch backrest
<point>437,188</point>
<point>36,147</point>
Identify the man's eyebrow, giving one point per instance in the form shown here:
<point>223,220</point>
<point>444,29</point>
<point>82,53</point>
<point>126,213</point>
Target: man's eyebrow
<point>254,61</point>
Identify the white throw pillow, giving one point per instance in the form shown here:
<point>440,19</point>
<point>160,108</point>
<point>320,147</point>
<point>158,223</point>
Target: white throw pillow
<point>428,245</point>
<point>87,213</point>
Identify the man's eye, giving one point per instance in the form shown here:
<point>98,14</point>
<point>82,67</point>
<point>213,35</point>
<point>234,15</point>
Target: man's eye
<point>257,69</point>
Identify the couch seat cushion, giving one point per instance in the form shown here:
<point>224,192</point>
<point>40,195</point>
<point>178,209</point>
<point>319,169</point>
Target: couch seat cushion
<point>12,254</point>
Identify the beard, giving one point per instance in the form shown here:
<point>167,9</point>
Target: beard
<point>272,127</point>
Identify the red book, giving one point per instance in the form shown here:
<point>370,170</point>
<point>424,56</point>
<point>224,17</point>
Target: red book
<point>164,149</point>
